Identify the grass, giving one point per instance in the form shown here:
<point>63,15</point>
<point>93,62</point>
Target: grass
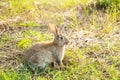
<point>93,28</point>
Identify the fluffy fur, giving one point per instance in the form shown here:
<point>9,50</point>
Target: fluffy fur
<point>41,54</point>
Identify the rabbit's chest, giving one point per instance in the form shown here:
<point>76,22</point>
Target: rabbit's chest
<point>61,53</point>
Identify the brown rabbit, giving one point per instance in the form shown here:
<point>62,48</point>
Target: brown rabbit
<point>41,54</point>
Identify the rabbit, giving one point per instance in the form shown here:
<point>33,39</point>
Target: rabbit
<point>45,53</point>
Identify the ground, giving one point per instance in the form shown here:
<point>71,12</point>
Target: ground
<point>92,27</point>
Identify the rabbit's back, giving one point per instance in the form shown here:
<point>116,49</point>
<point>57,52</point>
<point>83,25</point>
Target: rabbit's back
<point>39,52</point>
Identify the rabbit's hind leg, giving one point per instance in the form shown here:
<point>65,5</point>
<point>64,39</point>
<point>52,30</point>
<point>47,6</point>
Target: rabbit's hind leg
<point>41,64</point>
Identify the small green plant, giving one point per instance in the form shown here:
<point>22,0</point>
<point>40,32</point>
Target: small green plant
<point>23,43</point>
<point>28,24</point>
<point>107,3</point>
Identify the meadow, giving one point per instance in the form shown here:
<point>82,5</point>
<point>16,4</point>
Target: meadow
<point>92,26</point>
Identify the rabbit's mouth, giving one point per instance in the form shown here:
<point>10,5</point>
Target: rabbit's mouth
<point>66,42</point>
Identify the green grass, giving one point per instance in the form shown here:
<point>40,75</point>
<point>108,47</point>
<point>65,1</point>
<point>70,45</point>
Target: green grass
<point>95,29</point>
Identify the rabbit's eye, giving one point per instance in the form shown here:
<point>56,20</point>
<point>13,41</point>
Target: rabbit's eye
<point>61,38</point>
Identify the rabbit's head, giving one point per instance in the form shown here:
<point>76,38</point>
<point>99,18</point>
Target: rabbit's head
<point>59,38</point>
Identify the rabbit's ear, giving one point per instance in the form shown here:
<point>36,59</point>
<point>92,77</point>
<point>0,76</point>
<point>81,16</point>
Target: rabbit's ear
<point>53,29</point>
<point>61,27</point>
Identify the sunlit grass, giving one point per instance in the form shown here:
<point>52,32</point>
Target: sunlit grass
<point>96,60</point>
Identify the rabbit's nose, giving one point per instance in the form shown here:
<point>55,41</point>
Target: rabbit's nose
<point>67,41</point>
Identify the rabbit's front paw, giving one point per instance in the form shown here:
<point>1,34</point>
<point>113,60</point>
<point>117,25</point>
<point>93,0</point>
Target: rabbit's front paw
<point>62,67</point>
<point>56,66</point>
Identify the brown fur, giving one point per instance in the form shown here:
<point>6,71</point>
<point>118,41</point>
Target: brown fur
<point>41,54</point>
